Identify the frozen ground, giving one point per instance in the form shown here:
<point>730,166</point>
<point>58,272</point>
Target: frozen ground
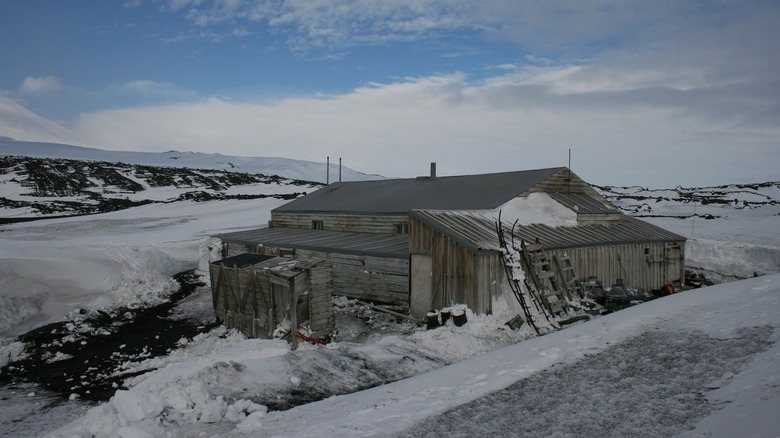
<point>219,383</point>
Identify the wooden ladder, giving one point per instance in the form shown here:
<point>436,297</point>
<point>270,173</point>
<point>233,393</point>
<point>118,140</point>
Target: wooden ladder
<point>568,278</point>
<point>544,278</point>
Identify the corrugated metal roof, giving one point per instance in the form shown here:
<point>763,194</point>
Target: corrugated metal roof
<point>379,245</point>
<point>582,203</point>
<point>476,231</point>
<point>466,192</point>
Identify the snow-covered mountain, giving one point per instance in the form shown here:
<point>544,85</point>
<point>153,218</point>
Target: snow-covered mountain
<point>19,123</point>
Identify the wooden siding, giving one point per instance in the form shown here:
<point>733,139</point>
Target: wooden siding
<point>322,320</point>
<point>369,278</point>
<point>378,224</point>
<point>474,278</point>
<point>630,263</point>
<point>254,300</point>
<point>565,181</point>
<point>460,276</point>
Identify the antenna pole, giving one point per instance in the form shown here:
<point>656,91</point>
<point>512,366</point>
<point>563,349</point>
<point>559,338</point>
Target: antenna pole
<point>339,169</point>
<point>569,170</point>
<point>327,170</point>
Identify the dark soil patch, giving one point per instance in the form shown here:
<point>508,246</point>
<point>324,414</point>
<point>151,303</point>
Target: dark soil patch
<point>86,357</point>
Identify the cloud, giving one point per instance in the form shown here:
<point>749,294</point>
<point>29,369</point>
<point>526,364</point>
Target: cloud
<point>637,132</point>
<point>43,84</point>
<point>324,24</point>
<point>642,92</point>
<point>151,88</point>
<point>558,28</point>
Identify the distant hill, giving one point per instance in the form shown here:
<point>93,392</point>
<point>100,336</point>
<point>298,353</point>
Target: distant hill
<point>19,123</point>
<point>32,187</point>
<point>285,167</point>
<point>25,133</point>
<point>643,202</point>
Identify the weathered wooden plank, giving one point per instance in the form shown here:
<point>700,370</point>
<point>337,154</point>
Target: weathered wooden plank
<point>380,224</point>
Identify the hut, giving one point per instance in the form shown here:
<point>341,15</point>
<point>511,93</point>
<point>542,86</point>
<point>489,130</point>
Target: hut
<point>431,241</point>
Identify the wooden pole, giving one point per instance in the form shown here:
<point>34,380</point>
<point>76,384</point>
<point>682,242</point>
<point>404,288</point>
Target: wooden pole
<point>293,315</point>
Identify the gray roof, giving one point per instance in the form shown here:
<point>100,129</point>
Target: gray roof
<point>466,192</point>
<point>476,231</point>
<point>378,245</point>
<point>582,203</point>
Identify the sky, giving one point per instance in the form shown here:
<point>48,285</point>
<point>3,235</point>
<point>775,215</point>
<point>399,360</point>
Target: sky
<point>659,93</point>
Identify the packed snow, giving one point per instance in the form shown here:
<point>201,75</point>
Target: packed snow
<point>657,369</point>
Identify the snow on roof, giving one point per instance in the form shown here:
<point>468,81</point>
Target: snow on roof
<point>537,208</point>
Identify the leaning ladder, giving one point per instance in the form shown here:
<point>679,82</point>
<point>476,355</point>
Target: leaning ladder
<point>567,276</point>
<point>544,277</point>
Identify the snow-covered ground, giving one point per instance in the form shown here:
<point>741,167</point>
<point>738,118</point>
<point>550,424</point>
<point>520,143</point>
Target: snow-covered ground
<point>212,386</point>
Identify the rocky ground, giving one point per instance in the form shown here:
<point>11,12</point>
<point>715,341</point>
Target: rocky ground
<point>84,357</point>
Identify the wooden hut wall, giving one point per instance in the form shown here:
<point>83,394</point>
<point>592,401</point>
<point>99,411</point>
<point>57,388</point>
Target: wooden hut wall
<point>565,181</point>
<point>255,301</point>
<point>369,278</point>
<point>628,262</point>
<point>460,276</point>
<point>380,224</point>
<point>321,316</point>
<point>241,300</point>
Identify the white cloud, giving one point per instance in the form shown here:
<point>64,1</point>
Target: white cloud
<point>328,24</point>
<point>42,84</point>
<point>511,122</point>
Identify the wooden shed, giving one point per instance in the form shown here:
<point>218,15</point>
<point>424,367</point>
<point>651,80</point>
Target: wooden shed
<point>260,294</point>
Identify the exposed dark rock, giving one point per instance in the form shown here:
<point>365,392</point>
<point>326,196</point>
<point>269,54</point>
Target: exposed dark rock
<point>75,187</point>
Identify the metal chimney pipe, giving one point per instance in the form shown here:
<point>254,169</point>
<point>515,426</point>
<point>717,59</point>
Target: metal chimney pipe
<point>433,170</point>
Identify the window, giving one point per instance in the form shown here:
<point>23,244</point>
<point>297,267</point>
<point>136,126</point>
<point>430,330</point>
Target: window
<point>401,228</point>
<point>316,225</point>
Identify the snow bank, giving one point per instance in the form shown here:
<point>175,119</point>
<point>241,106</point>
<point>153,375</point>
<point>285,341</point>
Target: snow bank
<point>40,282</point>
<point>49,268</point>
<point>732,258</point>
